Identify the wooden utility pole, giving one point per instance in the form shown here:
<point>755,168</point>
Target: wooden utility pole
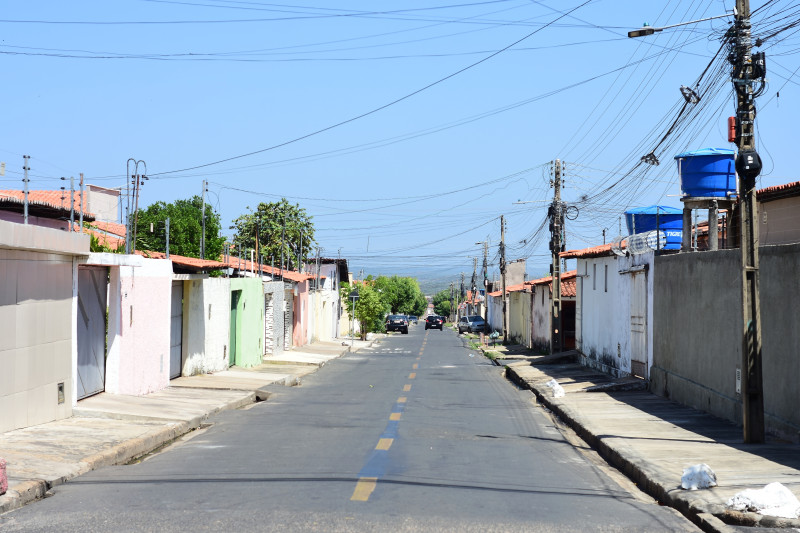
<point>485,278</point>
<point>203,218</point>
<point>748,167</point>
<point>26,166</point>
<point>556,213</point>
<point>503,276</point>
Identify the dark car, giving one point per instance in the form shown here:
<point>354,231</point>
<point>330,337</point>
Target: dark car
<point>412,319</point>
<point>434,322</point>
<point>397,323</point>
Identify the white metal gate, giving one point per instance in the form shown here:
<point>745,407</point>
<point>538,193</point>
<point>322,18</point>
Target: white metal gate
<point>92,306</point>
<point>288,319</point>
<point>639,324</point>
<point>176,331</point>
<point>269,324</point>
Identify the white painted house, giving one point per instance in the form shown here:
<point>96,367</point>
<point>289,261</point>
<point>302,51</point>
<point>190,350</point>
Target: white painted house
<point>614,310</point>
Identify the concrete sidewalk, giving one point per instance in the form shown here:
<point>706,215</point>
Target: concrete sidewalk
<point>109,429</point>
<point>652,439</point>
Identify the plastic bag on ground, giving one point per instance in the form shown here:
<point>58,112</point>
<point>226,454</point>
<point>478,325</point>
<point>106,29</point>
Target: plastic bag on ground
<point>558,390</point>
<point>773,500</point>
<point>698,477</point>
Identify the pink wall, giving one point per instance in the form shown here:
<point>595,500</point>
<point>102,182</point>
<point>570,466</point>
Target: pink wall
<point>139,327</point>
<point>300,329</point>
<point>19,218</point>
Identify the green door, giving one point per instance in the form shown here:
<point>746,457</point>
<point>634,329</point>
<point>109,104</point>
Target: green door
<point>235,295</point>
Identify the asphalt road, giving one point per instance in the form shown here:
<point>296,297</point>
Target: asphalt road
<point>418,433</point>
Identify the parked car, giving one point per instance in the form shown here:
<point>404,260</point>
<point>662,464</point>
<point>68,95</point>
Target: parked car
<point>397,323</point>
<point>471,324</point>
<point>434,322</point>
<point>412,319</point>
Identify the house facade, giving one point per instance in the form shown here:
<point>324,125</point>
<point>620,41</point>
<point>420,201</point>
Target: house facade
<point>614,310</point>
<point>39,316</point>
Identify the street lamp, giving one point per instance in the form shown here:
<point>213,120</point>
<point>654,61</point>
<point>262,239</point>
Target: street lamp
<point>646,29</point>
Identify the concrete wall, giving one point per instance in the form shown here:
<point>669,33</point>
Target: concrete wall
<point>206,325</point>
<point>250,333</point>
<point>38,321</point>
<point>519,317</point>
<point>139,328</point>
<point>274,292</point>
<point>698,333</point>
<point>494,313</point>
<point>41,222</point>
<point>603,311</point>
<point>779,221</point>
<point>300,325</point>
<point>102,202</point>
<point>515,272</point>
<point>540,318</point>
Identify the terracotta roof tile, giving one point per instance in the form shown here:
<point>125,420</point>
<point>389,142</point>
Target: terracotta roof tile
<point>250,266</point>
<point>189,262</point>
<point>106,240</point>
<point>567,284</point>
<point>594,251</point>
<point>57,199</point>
<point>110,227</point>
<point>779,191</point>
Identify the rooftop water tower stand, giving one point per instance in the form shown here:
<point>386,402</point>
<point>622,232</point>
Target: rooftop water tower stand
<point>708,181</point>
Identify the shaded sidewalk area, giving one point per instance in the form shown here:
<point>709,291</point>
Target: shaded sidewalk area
<point>110,429</point>
<point>652,439</point>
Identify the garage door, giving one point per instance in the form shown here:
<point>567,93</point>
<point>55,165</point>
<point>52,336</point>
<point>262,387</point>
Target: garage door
<point>176,331</point>
<point>92,304</point>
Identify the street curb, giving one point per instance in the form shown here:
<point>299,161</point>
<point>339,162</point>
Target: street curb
<point>33,490</point>
<point>699,513</point>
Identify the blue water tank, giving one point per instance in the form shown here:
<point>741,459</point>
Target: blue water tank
<point>667,219</point>
<point>708,172</point>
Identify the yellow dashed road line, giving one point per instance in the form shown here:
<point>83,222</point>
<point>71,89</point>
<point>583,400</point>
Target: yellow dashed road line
<point>406,388</point>
<point>415,366</point>
<point>412,375</point>
<point>402,399</point>
<point>394,416</point>
<point>384,444</point>
<point>364,488</point>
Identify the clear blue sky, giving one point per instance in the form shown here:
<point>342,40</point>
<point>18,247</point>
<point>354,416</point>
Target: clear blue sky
<point>457,122</point>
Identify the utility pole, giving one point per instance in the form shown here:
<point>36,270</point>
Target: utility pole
<point>283,236</point>
<point>25,167</point>
<point>474,287</point>
<point>82,203</point>
<point>485,264</point>
<point>203,218</point>
<point>461,295</point>
<point>166,234</point>
<point>452,290</point>
<point>71,203</point>
<point>503,276</point>
<point>746,69</point>
<point>556,214</point>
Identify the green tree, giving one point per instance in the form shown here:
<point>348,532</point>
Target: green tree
<point>272,223</point>
<point>370,307</point>
<point>402,295</point>
<point>185,228</point>
<point>442,304</point>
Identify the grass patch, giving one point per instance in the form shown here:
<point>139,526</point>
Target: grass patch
<point>491,355</point>
<point>475,345</point>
